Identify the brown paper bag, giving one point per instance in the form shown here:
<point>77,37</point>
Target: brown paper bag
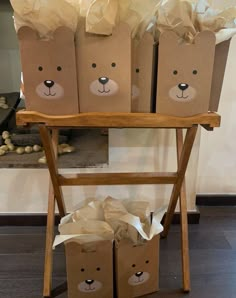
<point>221,55</point>
<point>184,74</point>
<point>104,70</point>
<point>137,270</point>
<point>143,62</point>
<point>89,273</point>
<point>49,72</point>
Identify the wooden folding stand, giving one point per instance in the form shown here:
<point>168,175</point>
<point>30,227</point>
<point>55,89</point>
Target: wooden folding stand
<point>118,120</point>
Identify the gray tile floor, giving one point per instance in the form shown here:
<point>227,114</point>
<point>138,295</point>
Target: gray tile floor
<point>212,256</point>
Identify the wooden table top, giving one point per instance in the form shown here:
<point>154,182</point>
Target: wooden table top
<point>119,120</point>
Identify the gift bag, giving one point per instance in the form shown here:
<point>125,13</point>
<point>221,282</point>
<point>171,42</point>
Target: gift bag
<point>47,50</point>
<point>89,272</point>
<point>104,70</point>
<point>89,252</point>
<point>143,73</point>
<point>193,49</point>
<point>137,268</point>
<point>49,71</point>
<point>137,246</point>
<point>185,74</point>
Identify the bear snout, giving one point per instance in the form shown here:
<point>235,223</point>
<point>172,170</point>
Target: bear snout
<point>138,274</point>
<point>89,286</point>
<point>48,83</point>
<point>103,80</point>
<point>49,89</point>
<point>138,278</point>
<point>89,281</point>
<point>183,86</point>
<point>104,86</point>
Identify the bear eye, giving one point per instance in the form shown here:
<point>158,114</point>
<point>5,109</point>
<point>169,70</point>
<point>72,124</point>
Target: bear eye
<point>194,71</point>
<point>133,265</point>
<point>98,268</point>
<point>94,65</point>
<point>147,262</point>
<point>113,64</point>
<point>59,68</point>
<point>137,70</point>
<point>82,269</point>
<point>175,72</point>
<point>40,68</point>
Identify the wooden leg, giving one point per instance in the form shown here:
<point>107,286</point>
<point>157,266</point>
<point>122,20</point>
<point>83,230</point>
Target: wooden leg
<point>184,218</point>
<point>48,264</point>
<point>47,285</point>
<point>184,158</point>
<point>51,161</point>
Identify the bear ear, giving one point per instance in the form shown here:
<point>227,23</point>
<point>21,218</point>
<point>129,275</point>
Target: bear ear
<point>205,39</point>
<point>26,33</point>
<point>63,34</point>
<point>169,37</point>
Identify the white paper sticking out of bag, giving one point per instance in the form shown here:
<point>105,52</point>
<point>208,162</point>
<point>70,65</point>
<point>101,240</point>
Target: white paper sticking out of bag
<point>101,16</point>
<point>127,224</point>
<point>221,21</point>
<point>187,18</point>
<point>92,211</point>
<point>84,231</point>
<point>85,225</point>
<point>110,219</point>
<point>44,16</point>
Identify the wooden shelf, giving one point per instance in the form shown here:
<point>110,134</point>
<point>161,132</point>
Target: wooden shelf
<point>117,179</point>
<point>119,120</point>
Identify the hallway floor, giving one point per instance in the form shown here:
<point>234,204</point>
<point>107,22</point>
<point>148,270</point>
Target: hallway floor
<point>212,259</point>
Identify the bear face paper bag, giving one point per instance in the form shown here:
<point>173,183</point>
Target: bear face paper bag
<point>184,74</point>
<point>104,70</point>
<point>143,62</point>
<point>137,268</point>
<point>89,273</point>
<point>49,71</point>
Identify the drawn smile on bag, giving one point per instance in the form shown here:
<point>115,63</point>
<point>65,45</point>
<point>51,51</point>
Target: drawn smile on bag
<point>49,84</point>
<point>104,86</point>
<point>90,285</point>
<point>104,81</point>
<point>49,89</point>
<point>182,92</point>
<point>138,278</point>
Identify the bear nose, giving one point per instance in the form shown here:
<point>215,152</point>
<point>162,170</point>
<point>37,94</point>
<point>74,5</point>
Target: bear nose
<point>89,281</point>
<point>48,83</point>
<point>183,86</point>
<point>138,274</point>
<point>103,80</point>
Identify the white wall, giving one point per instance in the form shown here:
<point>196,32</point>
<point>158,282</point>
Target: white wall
<point>129,150</point>
<point>138,150</point>
<point>217,163</point>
